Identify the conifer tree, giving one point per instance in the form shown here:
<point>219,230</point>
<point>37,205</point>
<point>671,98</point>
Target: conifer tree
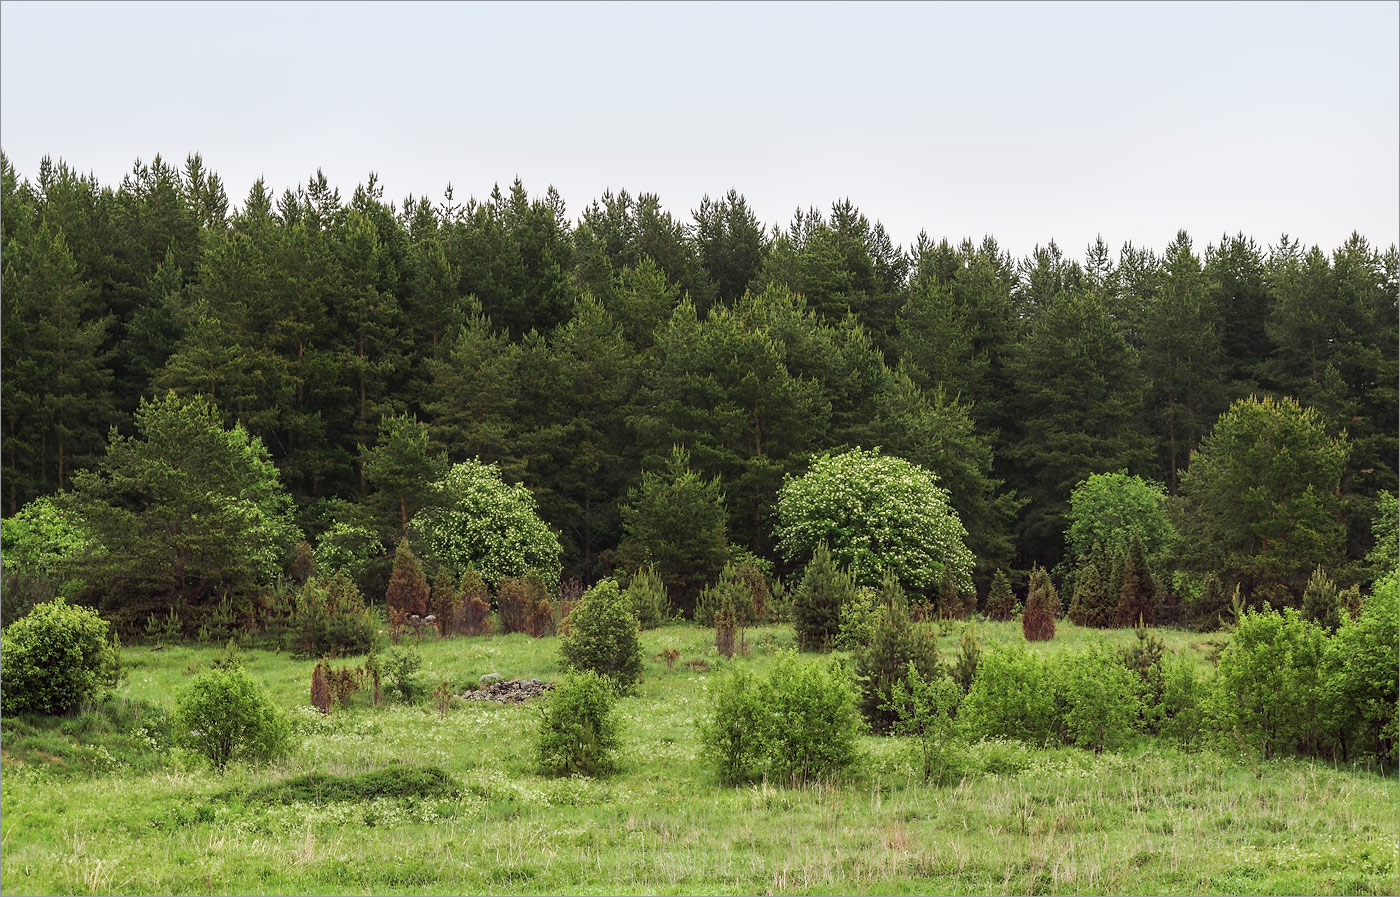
<point>894,644</point>
<point>1001,603</point>
<point>1322,602</point>
<point>1137,594</point>
<point>818,600</point>
<point>408,587</point>
<point>446,602</point>
<point>1037,621</point>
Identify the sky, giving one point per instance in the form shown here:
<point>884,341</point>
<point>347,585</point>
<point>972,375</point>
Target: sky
<point>1025,121</point>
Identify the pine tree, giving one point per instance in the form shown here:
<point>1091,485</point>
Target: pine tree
<point>1001,602</point>
<point>1086,608</point>
<point>895,643</point>
<point>1137,595</point>
<point>1322,602</point>
<point>1037,621</point>
<point>408,588</point>
<point>817,602</point>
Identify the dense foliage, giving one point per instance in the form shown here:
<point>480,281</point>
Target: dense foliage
<point>54,658</point>
<point>578,733</point>
<point>603,636</point>
<point>225,715</point>
<point>876,514</point>
<point>363,346</point>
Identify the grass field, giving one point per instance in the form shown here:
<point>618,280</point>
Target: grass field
<point>94,804</point>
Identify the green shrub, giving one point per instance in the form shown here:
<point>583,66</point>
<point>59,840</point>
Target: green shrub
<point>1322,602</point>
<point>1096,699</point>
<point>1180,716</point>
<point>1267,693</point>
<point>818,601</point>
<point>400,668</point>
<point>225,715</point>
<point>603,636</point>
<point>924,707</point>
<point>322,788</point>
<point>964,670</point>
<point>1359,682</point>
<point>858,620</point>
<point>894,644</point>
<point>816,726</point>
<point>734,736</point>
<point>331,619</point>
<point>578,732</point>
<point>1012,697</point>
<point>55,658</point>
<point>647,593</point>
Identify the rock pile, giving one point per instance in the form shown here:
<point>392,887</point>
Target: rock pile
<point>509,691</point>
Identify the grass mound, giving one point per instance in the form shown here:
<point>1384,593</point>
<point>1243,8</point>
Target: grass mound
<point>325,788</point>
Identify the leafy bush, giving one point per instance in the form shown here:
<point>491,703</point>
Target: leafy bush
<point>346,548</point>
<point>798,724</point>
<point>55,658</point>
<point>578,732</point>
<point>1267,693</point>
<point>41,542</point>
<point>647,593</point>
<point>1359,685</point>
<point>1038,619</point>
<point>858,620</point>
<point>476,520</point>
<point>331,618</point>
<point>225,716</point>
<point>875,513</point>
<point>1013,696</point>
<point>818,601</point>
<point>735,734</point>
<point>400,668</point>
<point>924,706</point>
<point>1180,716</point>
<point>1096,699</point>
<point>1110,509</point>
<point>603,636</point>
<point>895,643</point>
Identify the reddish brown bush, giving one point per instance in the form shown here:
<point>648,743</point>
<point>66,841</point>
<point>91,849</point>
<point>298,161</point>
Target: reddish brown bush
<point>1037,621</point>
<point>320,688</point>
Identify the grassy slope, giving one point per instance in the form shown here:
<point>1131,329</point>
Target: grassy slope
<point>1150,820</point>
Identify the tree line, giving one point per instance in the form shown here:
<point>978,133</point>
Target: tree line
<point>575,354</point>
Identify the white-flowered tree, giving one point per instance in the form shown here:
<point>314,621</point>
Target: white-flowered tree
<point>476,520</point>
<point>876,513</point>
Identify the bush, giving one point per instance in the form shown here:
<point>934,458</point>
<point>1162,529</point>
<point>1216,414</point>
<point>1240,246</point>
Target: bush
<point>224,716</point>
<point>1322,602</point>
<point>1267,692</point>
<point>475,604</point>
<point>741,584</point>
<point>818,601</point>
<point>331,618</point>
<point>895,643</point>
<point>400,668</point>
<point>578,732</point>
<point>408,587</point>
<point>55,658</point>
<point>603,636</point>
<point>1359,685</point>
<point>1096,699</point>
<point>734,736</point>
<point>1012,697</point>
<point>1094,603</point>
<point>1180,716</point>
<point>924,707</point>
<point>518,603</point>
<point>1038,619</point>
<point>800,723</point>
<point>647,593</point>
<point>1137,595</point>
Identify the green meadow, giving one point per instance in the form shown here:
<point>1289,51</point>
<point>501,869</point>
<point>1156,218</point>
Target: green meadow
<point>415,799</point>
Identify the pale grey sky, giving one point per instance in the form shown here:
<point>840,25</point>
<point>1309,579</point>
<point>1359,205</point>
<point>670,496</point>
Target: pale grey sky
<point>1026,121</point>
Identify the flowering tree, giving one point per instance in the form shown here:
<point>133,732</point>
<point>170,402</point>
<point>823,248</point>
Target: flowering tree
<point>876,513</point>
<point>477,521</point>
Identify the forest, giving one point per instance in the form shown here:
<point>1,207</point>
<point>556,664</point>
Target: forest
<point>574,355</point>
<point>442,546</point>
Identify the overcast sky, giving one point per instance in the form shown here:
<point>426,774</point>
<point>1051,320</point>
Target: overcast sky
<point>1024,121</point>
